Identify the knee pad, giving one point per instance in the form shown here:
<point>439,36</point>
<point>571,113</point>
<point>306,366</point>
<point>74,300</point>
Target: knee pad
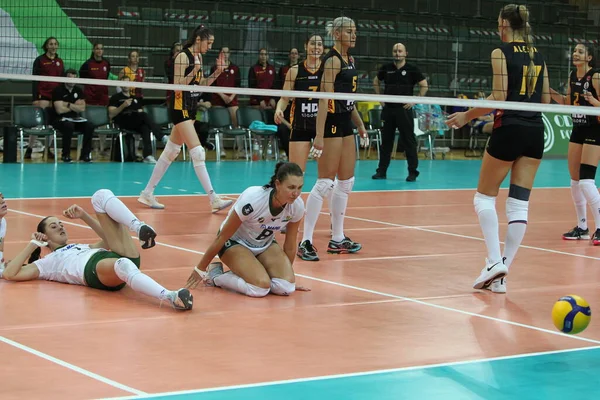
<point>281,287</point>
<point>255,291</point>
<point>171,151</point>
<point>519,192</point>
<point>345,186</point>
<point>323,187</point>
<point>589,190</point>
<point>516,210</point>
<point>483,202</point>
<point>587,171</point>
<point>100,198</point>
<point>198,155</point>
<point>126,270</point>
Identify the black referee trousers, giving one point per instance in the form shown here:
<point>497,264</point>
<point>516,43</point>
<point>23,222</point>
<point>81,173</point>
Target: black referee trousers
<point>401,119</point>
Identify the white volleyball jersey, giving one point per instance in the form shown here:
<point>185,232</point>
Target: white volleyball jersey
<point>258,224</point>
<point>66,264</point>
<point>3,225</point>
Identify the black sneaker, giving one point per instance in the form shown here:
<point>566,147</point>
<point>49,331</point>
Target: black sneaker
<point>307,251</point>
<point>346,246</point>
<point>576,234</point>
<point>147,236</point>
<point>412,176</point>
<point>379,175</point>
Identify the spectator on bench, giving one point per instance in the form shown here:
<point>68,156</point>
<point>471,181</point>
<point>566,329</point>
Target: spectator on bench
<point>126,111</point>
<point>69,103</point>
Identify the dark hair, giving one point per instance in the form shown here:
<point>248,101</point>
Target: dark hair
<point>202,32</point>
<point>45,45</point>
<point>591,51</point>
<point>94,47</point>
<point>311,35</point>
<point>518,18</point>
<point>41,228</point>
<point>283,170</point>
<point>71,71</point>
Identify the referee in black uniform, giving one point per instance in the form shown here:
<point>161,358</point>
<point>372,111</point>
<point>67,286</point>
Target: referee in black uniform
<point>400,78</point>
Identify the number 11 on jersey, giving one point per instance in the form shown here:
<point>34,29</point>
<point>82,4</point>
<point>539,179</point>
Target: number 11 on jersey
<point>538,70</point>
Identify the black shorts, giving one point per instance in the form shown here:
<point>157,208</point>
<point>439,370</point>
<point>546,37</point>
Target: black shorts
<point>179,116</point>
<point>338,125</point>
<point>301,135</point>
<point>589,134</point>
<point>507,143</point>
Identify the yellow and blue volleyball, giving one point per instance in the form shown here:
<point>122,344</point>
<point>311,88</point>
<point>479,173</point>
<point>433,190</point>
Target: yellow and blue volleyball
<point>571,314</point>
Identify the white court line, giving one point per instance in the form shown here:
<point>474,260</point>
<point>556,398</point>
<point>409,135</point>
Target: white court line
<point>408,299</point>
<point>237,194</point>
<point>360,374</point>
<point>424,303</point>
<point>71,366</point>
<point>471,314</point>
<point>422,229</point>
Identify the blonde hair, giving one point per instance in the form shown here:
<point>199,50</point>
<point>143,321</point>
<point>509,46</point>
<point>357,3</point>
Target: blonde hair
<point>518,18</point>
<point>337,24</point>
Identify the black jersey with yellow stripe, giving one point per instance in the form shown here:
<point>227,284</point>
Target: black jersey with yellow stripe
<point>184,100</point>
<point>303,113</point>
<point>578,88</point>
<point>346,81</point>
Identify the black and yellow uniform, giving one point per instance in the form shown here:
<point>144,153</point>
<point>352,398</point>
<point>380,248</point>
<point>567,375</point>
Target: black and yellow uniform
<point>339,112</point>
<point>183,105</point>
<point>519,133</point>
<point>586,128</point>
<point>303,112</point>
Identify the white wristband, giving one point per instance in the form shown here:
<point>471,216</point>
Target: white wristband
<point>38,243</point>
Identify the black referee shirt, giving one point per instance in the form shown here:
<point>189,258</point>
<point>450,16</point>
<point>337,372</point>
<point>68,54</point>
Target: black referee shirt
<point>399,81</point>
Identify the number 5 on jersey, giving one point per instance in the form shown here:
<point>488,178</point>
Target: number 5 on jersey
<point>538,70</point>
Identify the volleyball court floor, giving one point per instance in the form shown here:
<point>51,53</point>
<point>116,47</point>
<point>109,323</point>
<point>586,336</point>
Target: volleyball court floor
<point>397,320</point>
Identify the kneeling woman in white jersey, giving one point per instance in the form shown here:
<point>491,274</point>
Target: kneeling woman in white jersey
<point>93,265</point>
<point>245,242</point>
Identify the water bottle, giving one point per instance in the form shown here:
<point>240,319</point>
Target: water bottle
<point>255,151</point>
<point>269,151</point>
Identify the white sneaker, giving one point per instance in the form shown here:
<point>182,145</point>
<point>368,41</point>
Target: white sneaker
<point>219,204</point>
<point>150,160</point>
<point>489,273</point>
<point>149,200</point>
<point>497,286</point>
<point>182,299</point>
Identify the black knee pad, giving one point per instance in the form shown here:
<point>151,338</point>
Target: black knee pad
<point>519,192</point>
<point>587,171</point>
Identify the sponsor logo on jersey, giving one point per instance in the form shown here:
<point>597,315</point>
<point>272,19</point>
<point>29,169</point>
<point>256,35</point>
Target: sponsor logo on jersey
<point>247,209</point>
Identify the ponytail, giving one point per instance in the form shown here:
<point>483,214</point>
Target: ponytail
<point>531,72</point>
<point>518,18</point>
<point>37,253</point>
<point>202,32</point>
<point>282,170</point>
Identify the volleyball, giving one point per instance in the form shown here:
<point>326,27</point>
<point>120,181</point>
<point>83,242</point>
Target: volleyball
<point>571,314</point>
